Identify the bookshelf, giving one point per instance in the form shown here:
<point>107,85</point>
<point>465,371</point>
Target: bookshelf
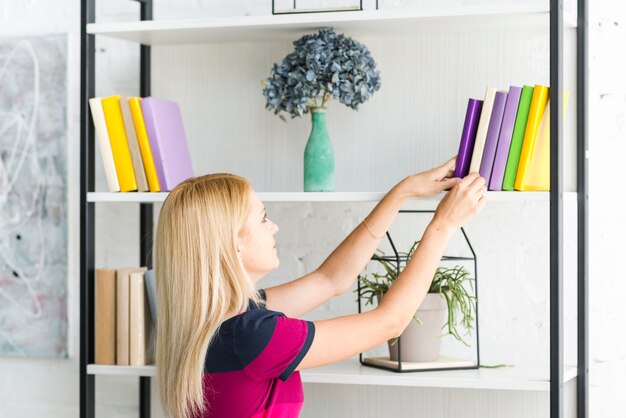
<point>383,24</point>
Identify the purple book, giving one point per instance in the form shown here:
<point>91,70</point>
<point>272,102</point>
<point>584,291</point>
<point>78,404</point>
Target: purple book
<point>504,141</point>
<point>493,132</point>
<point>466,148</point>
<point>168,142</point>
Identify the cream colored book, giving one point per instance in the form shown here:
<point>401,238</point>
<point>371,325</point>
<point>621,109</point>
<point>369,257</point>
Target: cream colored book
<point>105,316</point>
<point>481,131</point>
<point>104,144</point>
<point>139,320</point>
<point>123,314</point>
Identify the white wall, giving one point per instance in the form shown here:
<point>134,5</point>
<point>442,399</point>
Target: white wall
<point>50,387</point>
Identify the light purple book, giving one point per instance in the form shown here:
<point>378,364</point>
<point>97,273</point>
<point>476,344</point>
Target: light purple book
<point>504,141</point>
<point>168,142</point>
<point>466,148</point>
<point>493,132</point>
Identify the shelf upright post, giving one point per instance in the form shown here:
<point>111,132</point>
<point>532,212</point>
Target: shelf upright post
<point>582,381</point>
<point>556,209</point>
<point>87,213</point>
<point>146,210</point>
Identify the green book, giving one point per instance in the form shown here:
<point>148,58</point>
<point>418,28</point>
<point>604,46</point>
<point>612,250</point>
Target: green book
<point>518,138</point>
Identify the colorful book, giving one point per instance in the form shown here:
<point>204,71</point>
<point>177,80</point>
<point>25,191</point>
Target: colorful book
<point>538,104</point>
<point>104,144</point>
<point>508,183</point>
<point>133,146</point>
<point>466,147</point>
<point>481,132</point>
<point>123,314</point>
<point>105,316</point>
<point>504,140</point>
<point>139,320</point>
<point>144,144</point>
<point>119,143</point>
<point>168,142</point>
<point>493,133</point>
<point>537,175</point>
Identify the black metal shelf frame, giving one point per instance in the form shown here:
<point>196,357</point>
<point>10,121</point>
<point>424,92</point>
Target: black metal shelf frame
<point>87,209</point>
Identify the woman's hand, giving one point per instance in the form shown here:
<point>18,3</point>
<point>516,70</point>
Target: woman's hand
<point>461,203</point>
<point>429,183</point>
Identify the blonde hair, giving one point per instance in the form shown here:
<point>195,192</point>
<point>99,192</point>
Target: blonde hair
<point>200,282</point>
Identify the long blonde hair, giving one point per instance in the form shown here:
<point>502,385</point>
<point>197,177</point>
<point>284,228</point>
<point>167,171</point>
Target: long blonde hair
<point>200,282</point>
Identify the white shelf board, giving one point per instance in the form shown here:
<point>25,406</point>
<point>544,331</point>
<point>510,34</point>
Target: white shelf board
<point>355,23</point>
<point>350,372</point>
<point>326,197</point>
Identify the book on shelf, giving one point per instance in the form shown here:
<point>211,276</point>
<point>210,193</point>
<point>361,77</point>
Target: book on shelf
<point>537,174</point>
<point>493,133</point>
<point>133,146</point>
<point>139,320</point>
<point>151,295</point>
<point>517,139</point>
<point>119,143</point>
<point>468,136</point>
<point>504,139</point>
<point>123,314</point>
<point>537,108</point>
<point>168,142</point>
<point>144,144</point>
<point>105,316</point>
<point>481,131</point>
<point>104,144</point>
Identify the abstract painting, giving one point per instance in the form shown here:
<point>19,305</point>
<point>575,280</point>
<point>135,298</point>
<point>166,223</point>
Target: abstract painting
<point>33,196</point>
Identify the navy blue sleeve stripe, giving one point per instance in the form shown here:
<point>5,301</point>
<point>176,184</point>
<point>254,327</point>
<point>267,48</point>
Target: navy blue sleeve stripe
<point>305,349</point>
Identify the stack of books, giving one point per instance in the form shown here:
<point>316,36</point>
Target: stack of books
<point>506,138</point>
<point>142,142</point>
<point>125,302</point>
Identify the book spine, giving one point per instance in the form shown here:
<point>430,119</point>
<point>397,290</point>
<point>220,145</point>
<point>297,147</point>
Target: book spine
<point>144,144</point>
<point>137,320</point>
<point>122,318</point>
<point>504,140</point>
<point>133,146</point>
<point>538,104</point>
<point>119,143</point>
<point>468,136</point>
<point>481,132</point>
<point>104,144</point>
<point>510,172</point>
<point>105,316</point>
<point>493,133</point>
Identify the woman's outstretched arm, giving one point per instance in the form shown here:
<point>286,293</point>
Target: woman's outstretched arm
<point>338,272</point>
<point>340,338</point>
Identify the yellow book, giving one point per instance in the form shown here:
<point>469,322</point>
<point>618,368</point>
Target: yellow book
<point>537,176</point>
<point>537,107</point>
<point>144,144</point>
<point>119,143</point>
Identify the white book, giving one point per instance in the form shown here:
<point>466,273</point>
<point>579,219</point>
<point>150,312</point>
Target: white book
<point>139,318</point>
<point>102,135</point>
<point>481,132</point>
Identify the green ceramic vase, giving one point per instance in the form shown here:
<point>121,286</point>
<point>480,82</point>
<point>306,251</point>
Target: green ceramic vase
<point>319,159</point>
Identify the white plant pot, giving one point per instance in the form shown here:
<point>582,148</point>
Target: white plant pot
<point>422,342</point>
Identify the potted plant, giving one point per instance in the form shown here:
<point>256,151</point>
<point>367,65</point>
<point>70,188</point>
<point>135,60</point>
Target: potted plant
<point>448,305</point>
<point>322,66</point>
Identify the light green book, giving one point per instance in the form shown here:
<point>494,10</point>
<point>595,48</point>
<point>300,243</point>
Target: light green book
<point>517,139</point>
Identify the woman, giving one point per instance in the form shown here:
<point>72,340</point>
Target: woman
<point>225,349</point>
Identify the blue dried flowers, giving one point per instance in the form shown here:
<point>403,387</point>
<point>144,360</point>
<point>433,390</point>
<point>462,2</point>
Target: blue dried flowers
<point>322,66</point>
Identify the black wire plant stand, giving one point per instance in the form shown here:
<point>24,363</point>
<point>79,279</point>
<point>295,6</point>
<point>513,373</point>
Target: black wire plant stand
<point>399,261</point>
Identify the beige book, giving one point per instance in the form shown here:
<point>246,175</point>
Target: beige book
<point>139,320</point>
<point>123,315</point>
<point>133,145</point>
<point>481,131</point>
<point>105,316</point>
